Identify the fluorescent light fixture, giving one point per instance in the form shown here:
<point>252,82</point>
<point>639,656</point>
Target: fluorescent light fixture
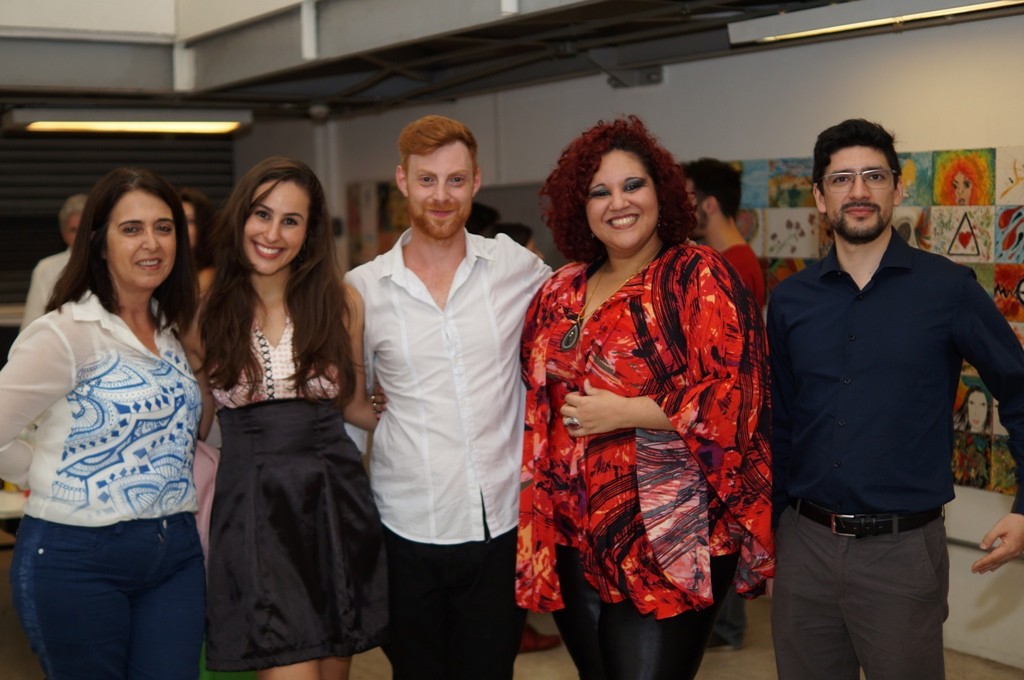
<point>180,121</point>
<point>851,16</point>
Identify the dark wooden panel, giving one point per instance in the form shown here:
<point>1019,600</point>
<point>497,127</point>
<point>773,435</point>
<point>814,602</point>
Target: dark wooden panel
<point>38,173</point>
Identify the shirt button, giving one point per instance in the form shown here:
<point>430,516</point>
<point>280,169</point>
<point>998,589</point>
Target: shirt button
<point>851,337</point>
<point>842,422</point>
<point>837,464</point>
<point>847,381</point>
<point>860,296</point>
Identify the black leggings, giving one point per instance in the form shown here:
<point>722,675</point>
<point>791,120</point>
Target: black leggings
<point>616,642</point>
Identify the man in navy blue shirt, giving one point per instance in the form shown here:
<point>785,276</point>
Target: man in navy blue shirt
<point>867,348</point>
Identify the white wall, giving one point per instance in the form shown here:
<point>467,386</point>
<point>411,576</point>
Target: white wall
<point>949,87</point>
<point>986,611</point>
<point>939,88</point>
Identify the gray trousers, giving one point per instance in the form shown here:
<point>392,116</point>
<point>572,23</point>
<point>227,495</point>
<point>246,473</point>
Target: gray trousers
<point>840,604</point>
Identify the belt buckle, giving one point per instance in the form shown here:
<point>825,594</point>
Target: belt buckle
<point>832,520</point>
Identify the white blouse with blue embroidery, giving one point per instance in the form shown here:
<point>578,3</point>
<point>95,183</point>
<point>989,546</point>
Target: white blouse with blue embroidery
<point>115,425</point>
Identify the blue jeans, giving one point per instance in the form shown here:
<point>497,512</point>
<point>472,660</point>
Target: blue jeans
<point>113,602</point>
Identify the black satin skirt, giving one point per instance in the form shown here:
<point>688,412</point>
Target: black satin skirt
<point>296,569</point>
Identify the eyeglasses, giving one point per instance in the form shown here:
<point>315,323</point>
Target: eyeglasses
<point>874,178</point>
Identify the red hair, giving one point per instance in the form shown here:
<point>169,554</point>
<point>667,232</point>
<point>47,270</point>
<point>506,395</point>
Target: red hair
<point>567,187</point>
<point>429,133</point>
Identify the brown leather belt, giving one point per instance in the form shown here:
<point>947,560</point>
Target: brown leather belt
<point>859,526</point>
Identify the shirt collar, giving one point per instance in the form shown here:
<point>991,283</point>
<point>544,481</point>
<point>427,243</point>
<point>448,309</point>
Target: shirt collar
<point>898,255</point>
<point>89,308</point>
<point>394,262</point>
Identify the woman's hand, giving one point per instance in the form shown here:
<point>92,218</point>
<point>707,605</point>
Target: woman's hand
<point>597,411</point>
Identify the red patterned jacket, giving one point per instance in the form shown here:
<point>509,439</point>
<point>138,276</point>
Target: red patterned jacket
<point>646,508</point>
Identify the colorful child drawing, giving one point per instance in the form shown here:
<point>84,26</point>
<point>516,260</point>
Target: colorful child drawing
<point>971,460</point>
<point>789,183</point>
<point>1010,175</point>
<point>972,410</point>
<point>964,177</point>
<point>777,270</point>
<point>1002,477</point>
<point>916,173</point>
<point>963,233</point>
<point>755,184</point>
<point>1010,234</point>
<point>792,232</point>
<point>1009,291</point>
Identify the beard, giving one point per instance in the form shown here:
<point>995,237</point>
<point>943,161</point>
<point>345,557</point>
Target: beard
<point>439,229</point>
<point>868,232</point>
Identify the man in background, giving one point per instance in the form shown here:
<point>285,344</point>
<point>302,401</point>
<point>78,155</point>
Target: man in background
<point>716,190</point>
<point>49,269</point>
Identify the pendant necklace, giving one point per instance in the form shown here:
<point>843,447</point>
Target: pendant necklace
<point>572,336</point>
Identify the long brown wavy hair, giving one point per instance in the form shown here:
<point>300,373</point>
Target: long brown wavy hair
<point>314,296</point>
<point>567,187</point>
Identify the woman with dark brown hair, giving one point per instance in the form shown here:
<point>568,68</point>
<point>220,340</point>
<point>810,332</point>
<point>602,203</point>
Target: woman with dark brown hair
<point>296,564</point>
<point>646,482</point>
<point>107,575</point>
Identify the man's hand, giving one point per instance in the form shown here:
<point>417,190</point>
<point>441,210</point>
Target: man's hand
<point>1008,538</point>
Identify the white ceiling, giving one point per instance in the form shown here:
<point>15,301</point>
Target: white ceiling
<point>353,57</point>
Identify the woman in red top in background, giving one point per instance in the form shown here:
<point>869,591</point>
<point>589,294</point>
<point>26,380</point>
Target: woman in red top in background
<point>646,472</point>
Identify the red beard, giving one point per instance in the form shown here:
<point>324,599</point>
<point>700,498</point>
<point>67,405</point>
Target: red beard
<point>441,229</point>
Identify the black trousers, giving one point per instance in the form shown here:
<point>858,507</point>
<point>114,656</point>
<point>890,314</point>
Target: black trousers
<point>616,642</point>
<point>453,611</point>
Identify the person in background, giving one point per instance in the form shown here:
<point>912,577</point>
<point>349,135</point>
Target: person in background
<point>481,217</point>
<point>646,485</point>
<point>715,190</point>
<point>48,269</point>
<point>867,347</point>
<point>200,214</point>
<point>518,232</point>
<point>296,568</point>
<point>444,314</point>
<point>107,576</point>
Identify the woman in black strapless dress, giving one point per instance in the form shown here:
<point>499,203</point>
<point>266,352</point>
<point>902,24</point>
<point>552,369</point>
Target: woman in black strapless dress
<point>296,566</point>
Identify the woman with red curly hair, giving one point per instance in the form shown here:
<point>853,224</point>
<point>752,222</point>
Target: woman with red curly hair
<point>646,485</point>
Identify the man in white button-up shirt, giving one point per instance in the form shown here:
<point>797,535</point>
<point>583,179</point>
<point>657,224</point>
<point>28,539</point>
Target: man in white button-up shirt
<point>49,269</point>
<point>444,313</point>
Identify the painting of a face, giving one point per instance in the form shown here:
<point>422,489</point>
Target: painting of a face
<point>977,411</point>
<point>963,177</point>
<point>963,186</point>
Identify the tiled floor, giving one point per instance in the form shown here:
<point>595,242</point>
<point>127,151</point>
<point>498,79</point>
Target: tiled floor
<point>754,662</point>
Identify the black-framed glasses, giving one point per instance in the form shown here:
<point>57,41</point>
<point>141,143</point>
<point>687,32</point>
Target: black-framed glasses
<point>874,178</point>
